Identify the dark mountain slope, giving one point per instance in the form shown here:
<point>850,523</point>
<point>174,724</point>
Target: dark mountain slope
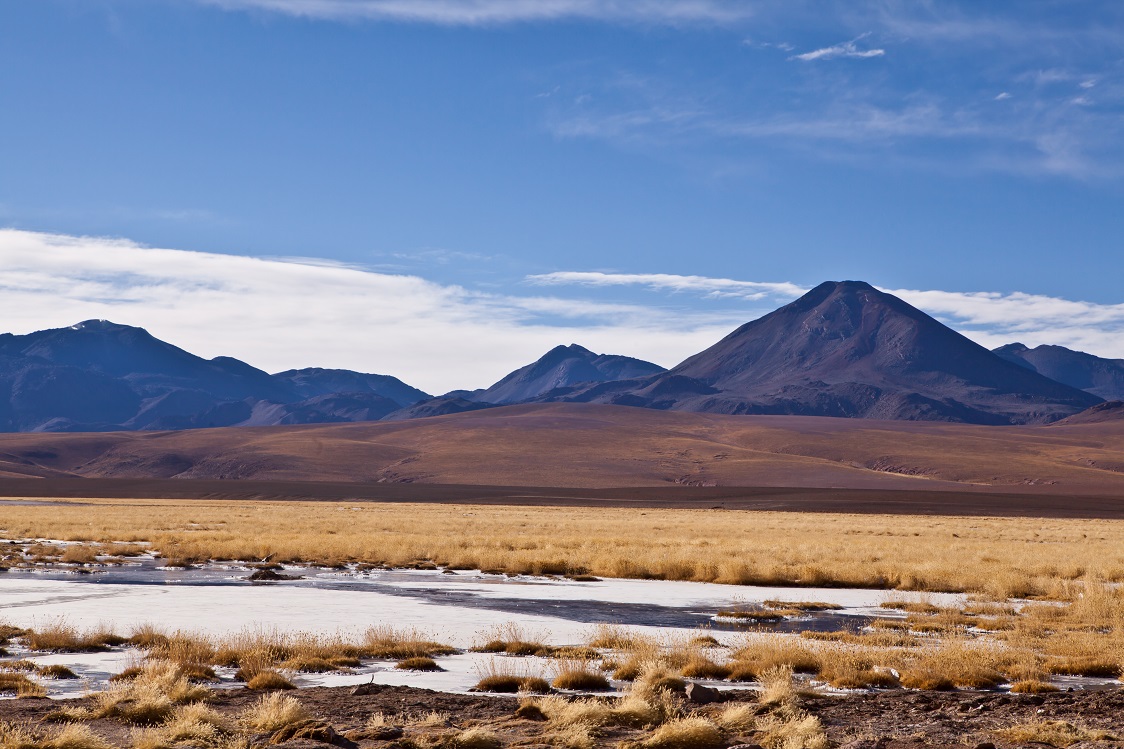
<point>563,367</point>
<point>847,349</point>
<point>101,376</point>
<point>1101,413</point>
<point>145,362</point>
<point>314,381</point>
<point>1101,377</point>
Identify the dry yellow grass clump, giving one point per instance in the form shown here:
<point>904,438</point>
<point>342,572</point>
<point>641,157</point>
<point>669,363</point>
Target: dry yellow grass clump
<point>1055,732</point>
<point>1001,557</point>
<point>68,736</point>
<point>275,711</point>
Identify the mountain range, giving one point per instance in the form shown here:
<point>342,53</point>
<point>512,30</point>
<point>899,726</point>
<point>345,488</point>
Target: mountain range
<point>99,376</point>
<point>844,349</point>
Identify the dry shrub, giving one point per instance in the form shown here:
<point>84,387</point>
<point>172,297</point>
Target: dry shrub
<point>182,648</point>
<point>1033,687</point>
<point>706,641</point>
<point>68,736</point>
<point>269,680</point>
<point>148,698</point>
<point>476,738</point>
<point>875,639</point>
<point>656,681</point>
<point>591,713</point>
<point>572,737</point>
<point>961,662</point>
<point>803,606</point>
<point>797,731</point>
<point>686,733</point>
<point>740,718</point>
<point>698,666</point>
<point>506,676</point>
<point>613,637</point>
<point>77,736</point>
<point>418,664</point>
<point>388,643</point>
<point>1054,732</point>
<point>309,665</point>
<point>511,683</point>
<point>777,686</point>
<point>57,671</point>
<point>580,676</point>
<point>634,711</point>
<point>273,712</point>
<point>758,654</point>
<point>79,554</point>
<point>911,606</point>
<point>511,640</point>
<point>20,685</point>
<point>850,669</point>
<point>63,637</point>
<point>194,725</point>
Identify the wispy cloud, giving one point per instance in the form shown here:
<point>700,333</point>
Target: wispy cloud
<point>994,318</point>
<point>282,313</point>
<point>843,49</point>
<point>752,290</point>
<point>495,12</point>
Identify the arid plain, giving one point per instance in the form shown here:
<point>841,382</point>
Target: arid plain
<point>851,568</point>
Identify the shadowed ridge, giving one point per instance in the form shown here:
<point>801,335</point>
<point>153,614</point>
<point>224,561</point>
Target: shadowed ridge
<point>314,382</point>
<point>563,367</point>
<point>1093,374</point>
<point>1102,412</point>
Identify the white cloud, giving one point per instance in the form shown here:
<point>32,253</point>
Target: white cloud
<point>492,12</point>
<point>1002,96</point>
<point>752,290</point>
<point>283,313</point>
<point>994,318</point>
<point>990,318</point>
<point>844,49</point>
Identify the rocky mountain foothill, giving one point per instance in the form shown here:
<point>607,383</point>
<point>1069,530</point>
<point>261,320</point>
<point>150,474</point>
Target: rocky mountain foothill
<point>844,349</point>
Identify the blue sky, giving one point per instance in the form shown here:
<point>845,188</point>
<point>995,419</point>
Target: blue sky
<point>558,166</point>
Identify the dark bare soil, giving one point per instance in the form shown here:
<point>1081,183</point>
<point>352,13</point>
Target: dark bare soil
<point>891,720</point>
<point>865,501</point>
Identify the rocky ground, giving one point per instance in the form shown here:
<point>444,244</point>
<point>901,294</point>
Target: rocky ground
<point>890,720</point>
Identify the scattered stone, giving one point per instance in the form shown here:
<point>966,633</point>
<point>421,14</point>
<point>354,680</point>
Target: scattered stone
<point>878,743</point>
<point>382,733</point>
<point>312,730</point>
<point>268,575</point>
<point>700,695</point>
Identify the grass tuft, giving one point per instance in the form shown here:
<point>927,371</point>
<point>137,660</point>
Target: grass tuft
<point>273,712</point>
<point>1054,732</point>
<point>269,680</point>
<point>418,664</point>
<point>686,733</point>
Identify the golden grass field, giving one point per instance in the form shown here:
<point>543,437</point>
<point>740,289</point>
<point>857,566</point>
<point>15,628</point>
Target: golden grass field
<point>999,557</point>
<point>1077,630</point>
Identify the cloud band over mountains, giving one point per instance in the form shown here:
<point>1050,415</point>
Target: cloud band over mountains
<point>283,313</point>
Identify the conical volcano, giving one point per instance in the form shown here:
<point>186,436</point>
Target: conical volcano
<point>847,349</point>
